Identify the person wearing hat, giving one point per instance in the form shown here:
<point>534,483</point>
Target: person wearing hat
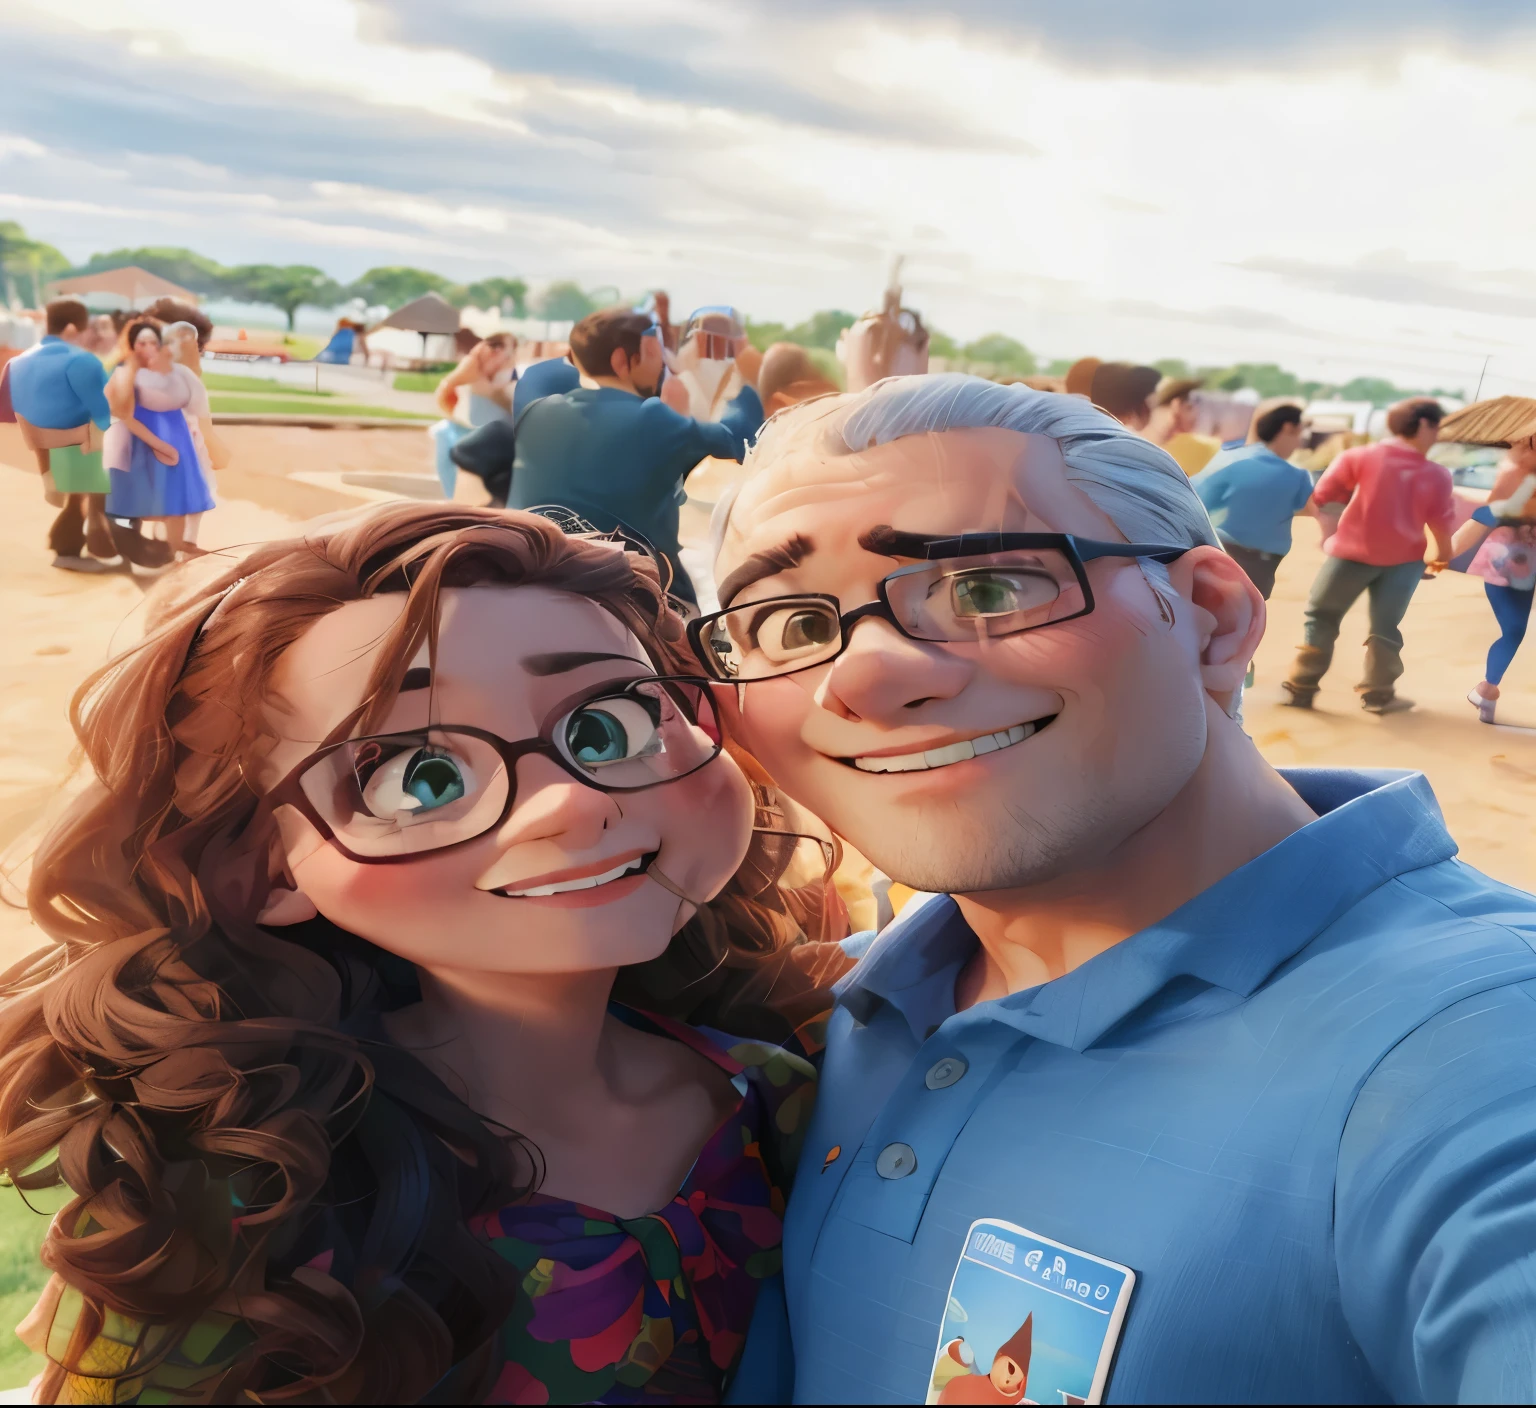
<point>1174,418</point>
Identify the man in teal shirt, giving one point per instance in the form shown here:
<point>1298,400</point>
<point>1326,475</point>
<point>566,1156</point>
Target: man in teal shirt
<point>1252,494</point>
<point>1196,1082</point>
<point>60,387</point>
<point>614,453</point>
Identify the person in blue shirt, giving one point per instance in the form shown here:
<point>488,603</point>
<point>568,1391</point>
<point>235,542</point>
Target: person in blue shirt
<point>1235,1066</point>
<point>1253,493</point>
<point>613,453</point>
<point>489,451</point>
<point>58,386</point>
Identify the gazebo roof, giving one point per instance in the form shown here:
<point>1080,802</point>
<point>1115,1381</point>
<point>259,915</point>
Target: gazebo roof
<point>130,282</point>
<point>431,313</point>
<point>1496,421</point>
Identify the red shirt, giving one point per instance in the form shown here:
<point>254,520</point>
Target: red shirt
<point>1393,493</point>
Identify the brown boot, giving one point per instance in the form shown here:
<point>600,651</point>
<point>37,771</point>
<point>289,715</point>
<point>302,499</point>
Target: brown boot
<point>1307,672</point>
<point>98,532</point>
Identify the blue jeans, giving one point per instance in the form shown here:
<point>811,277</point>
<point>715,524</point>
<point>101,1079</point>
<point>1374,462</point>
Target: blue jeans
<point>1337,587</point>
<point>1512,610</point>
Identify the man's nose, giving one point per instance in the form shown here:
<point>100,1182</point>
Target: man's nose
<point>886,678</point>
<point>552,806</point>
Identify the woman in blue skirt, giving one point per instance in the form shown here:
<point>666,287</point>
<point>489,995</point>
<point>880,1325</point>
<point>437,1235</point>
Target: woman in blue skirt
<point>155,467</point>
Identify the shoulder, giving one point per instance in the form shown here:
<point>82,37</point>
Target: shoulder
<point>127,1361</point>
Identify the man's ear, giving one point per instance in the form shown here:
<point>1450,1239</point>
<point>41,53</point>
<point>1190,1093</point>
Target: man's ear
<point>1229,616</point>
<point>619,362</point>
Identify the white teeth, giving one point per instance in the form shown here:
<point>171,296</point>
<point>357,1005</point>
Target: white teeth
<point>587,882</point>
<point>950,753</point>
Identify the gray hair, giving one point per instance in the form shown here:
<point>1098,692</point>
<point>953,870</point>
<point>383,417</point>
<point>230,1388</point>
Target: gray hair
<point>1137,484</point>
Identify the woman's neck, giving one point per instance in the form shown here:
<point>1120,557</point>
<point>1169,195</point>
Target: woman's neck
<point>513,1042</point>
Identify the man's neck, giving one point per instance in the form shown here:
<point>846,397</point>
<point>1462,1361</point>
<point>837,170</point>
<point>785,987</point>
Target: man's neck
<point>1233,808</point>
<point>616,383</point>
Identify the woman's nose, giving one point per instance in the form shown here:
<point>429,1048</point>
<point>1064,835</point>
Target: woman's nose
<point>551,805</point>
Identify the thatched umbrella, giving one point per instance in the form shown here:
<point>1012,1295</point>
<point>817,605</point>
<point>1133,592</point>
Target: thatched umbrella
<point>1501,420</point>
<point>429,315</point>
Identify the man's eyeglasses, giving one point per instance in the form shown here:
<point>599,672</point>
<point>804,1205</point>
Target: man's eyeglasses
<point>969,588</point>
<point>391,796</point>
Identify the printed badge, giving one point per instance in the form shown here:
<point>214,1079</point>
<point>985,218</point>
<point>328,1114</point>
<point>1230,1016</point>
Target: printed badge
<point>1029,1321</point>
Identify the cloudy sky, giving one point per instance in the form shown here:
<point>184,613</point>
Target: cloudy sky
<point>1343,186</point>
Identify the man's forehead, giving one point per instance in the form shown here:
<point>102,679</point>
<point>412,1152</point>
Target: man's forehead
<point>991,471</point>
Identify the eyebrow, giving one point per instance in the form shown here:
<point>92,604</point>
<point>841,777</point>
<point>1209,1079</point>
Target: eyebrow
<point>417,677</point>
<point>559,662</point>
<point>765,564</point>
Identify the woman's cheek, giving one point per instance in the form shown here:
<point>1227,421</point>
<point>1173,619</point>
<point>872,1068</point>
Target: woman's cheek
<point>707,822</point>
<point>352,895</point>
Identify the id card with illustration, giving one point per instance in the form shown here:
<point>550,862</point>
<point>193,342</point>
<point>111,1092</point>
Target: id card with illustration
<point>1028,1321</point>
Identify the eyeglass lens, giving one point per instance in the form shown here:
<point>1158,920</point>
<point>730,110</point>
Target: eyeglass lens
<point>954,600</point>
<point>420,790</point>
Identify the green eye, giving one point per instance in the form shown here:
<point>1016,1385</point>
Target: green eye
<point>994,593</point>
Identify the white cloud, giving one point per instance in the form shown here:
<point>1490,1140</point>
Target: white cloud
<point>1214,214</point>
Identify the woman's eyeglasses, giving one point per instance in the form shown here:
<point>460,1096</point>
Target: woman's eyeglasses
<point>391,796</point>
<point>970,588</point>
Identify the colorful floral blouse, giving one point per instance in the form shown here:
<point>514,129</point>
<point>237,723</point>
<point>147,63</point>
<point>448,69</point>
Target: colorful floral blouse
<point>652,1309</point>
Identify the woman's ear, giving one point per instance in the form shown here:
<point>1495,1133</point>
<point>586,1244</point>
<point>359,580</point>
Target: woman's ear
<point>1230,616</point>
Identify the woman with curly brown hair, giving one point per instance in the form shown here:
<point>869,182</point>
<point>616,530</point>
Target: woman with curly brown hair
<point>382,1041</point>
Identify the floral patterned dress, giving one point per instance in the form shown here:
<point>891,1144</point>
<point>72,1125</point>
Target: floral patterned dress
<point>653,1309</point>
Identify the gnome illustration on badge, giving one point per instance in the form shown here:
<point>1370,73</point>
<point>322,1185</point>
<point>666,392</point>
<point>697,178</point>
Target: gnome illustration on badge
<point>1004,1384</point>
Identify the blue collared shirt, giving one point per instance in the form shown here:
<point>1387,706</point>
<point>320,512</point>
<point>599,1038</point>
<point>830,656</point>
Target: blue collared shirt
<point>57,386</point>
<point>1252,495</point>
<point>1302,1108</point>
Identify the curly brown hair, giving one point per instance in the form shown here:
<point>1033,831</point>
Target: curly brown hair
<point>221,1099</point>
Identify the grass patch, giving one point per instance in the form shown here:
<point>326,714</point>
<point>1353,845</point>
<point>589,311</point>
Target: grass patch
<point>256,386</point>
<point>22,1277</point>
<point>417,381</point>
<point>296,406</point>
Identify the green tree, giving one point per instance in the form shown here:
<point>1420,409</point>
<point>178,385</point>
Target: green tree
<point>941,344</point>
<point>1174,367</point>
<point>395,285</point>
<point>30,263</point>
<point>763,335</point>
<point>288,287</point>
<point>998,350</point>
<point>821,329</point>
<point>1060,366</point>
<point>564,302</point>
<point>491,293</point>
<point>181,266</point>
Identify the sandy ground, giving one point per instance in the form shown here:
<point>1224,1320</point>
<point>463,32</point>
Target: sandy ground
<point>59,626</point>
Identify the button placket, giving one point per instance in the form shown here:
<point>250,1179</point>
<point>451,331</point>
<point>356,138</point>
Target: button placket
<point>887,1186</point>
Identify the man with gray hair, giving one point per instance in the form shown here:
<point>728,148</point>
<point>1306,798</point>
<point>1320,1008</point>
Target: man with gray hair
<point>1211,1082</point>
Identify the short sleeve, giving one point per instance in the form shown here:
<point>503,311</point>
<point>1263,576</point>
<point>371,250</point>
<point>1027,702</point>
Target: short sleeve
<point>1435,1207</point>
<point>197,394</point>
<point>1303,489</point>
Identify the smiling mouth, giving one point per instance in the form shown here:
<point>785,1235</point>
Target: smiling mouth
<point>961,752</point>
<point>585,882</point>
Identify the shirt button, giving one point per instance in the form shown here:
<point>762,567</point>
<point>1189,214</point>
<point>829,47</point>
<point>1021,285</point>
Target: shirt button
<point>943,1074</point>
<point>896,1161</point>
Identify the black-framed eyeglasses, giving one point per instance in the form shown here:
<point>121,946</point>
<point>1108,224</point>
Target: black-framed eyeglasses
<point>391,796</point>
<point>966,588</point>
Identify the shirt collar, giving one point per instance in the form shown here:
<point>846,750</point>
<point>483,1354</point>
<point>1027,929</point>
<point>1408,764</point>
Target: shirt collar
<point>1373,825</point>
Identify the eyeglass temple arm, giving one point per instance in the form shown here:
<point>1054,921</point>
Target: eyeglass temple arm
<point>1089,551</point>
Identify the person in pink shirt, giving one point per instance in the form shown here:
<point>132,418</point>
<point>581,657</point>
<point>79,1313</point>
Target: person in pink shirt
<point>1392,492</point>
